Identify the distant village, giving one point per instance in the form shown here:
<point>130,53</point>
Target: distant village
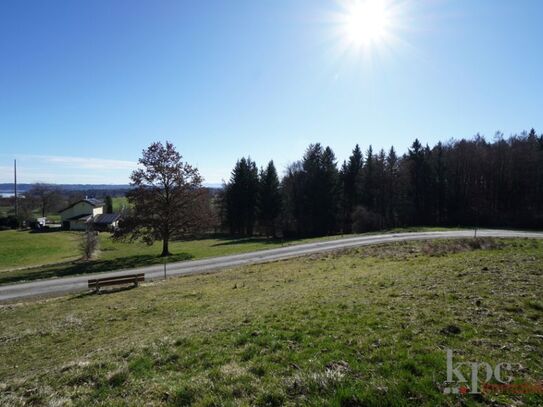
<point>71,207</point>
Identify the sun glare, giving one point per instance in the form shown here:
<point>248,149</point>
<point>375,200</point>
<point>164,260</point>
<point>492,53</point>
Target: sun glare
<point>365,22</point>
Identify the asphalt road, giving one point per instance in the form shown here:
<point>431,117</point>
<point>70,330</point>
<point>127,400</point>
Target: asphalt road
<point>59,286</point>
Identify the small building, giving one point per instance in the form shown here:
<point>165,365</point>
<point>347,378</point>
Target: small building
<point>106,221</point>
<point>88,212</point>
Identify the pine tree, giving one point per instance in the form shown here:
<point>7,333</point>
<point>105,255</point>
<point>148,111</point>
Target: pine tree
<point>241,197</point>
<point>311,192</point>
<point>392,195</point>
<point>441,183</point>
<point>330,190</point>
<point>366,181</point>
<point>416,168</point>
<point>269,199</point>
<point>349,173</point>
<point>380,184</point>
<point>109,204</point>
<point>292,193</point>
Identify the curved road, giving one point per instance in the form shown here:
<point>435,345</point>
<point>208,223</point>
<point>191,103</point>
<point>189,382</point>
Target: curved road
<point>79,283</point>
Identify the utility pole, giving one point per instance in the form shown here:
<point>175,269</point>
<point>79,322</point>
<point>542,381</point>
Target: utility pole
<point>15,190</point>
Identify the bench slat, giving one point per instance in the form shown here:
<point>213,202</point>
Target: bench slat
<point>94,280</point>
<point>116,280</point>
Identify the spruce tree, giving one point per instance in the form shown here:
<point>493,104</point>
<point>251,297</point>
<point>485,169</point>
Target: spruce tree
<point>269,199</point>
<point>320,191</point>
<point>241,197</point>
<point>350,171</point>
<point>366,182</point>
<point>109,204</point>
<point>392,186</point>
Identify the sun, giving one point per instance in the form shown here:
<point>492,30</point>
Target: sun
<point>365,22</point>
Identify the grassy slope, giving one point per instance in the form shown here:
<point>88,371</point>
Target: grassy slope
<point>364,327</point>
<point>25,249</point>
<point>21,248</point>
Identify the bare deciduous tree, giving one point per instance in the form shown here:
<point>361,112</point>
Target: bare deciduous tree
<point>168,200</point>
<point>46,196</point>
<point>88,243</point>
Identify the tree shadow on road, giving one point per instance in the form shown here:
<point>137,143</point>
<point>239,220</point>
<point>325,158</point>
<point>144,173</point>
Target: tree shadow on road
<point>248,240</point>
<point>81,267</point>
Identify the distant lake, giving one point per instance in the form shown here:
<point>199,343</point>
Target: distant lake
<point>5,194</point>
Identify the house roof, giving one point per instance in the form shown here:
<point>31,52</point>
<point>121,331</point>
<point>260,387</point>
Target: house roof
<point>91,201</point>
<point>84,218</point>
<point>106,218</point>
<point>94,201</point>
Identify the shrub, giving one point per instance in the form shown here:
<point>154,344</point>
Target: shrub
<point>8,222</point>
<point>365,220</point>
<point>88,244</point>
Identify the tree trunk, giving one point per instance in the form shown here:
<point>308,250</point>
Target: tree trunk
<point>165,251</point>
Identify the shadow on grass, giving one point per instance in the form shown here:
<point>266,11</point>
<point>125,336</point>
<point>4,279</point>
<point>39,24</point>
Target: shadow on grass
<point>248,240</point>
<point>45,230</point>
<point>80,267</point>
<point>105,291</point>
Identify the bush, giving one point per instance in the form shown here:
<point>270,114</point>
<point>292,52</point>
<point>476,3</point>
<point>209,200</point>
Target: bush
<point>365,220</point>
<point>8,222</point>
<point>88,244</point>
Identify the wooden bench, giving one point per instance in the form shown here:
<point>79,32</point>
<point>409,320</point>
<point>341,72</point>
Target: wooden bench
<point>98,283</point>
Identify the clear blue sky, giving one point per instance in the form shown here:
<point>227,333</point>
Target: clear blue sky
<point>86,85</point>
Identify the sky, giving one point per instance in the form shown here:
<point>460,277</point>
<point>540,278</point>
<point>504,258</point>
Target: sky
<point>85,86</point>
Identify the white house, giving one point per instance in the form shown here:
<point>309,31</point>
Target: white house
<point>88,211</point>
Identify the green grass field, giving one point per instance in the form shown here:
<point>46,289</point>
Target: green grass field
<point>23,249</point>
<point>29,256</point>
<point>119,202</point>
<point>5,210</point>
<point>365,327</point>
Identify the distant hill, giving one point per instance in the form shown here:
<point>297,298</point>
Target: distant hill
<point>8,187</point>
<point>67,187</point>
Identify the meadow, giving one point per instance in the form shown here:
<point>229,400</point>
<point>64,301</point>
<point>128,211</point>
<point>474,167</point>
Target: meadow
<point>363,327</point>
<point>119,203</point>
